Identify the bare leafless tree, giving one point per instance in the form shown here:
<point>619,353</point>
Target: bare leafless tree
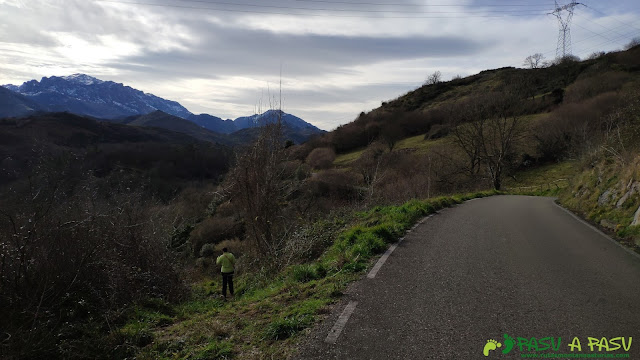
<point>534,61</point>
<point>371,166</point>
<point>488,132</point>
<point>633,43</point>
<point>434,78</point>
<point>596,55</point>
<point>465,132</point>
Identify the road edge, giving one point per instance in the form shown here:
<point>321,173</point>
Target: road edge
<point>594,228</point>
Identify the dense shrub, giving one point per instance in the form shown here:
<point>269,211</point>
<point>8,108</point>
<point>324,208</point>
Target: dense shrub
<point>321,158</point>
<point>236,246</point>
<point>215,229</point>
<point>71,259</point>
<point>588,87</point>
<point>207,250</point>
<point>580,124</point>
<point>337,185</point>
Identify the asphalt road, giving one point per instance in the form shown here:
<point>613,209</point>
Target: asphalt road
<point>505,264</point>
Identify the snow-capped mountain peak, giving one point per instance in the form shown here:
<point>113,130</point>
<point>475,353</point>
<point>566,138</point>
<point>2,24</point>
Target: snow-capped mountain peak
<point>82,79</point>
<point>12,87</point>
<point>85,95</point>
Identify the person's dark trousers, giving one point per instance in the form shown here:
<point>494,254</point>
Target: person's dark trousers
<point>227,279</point>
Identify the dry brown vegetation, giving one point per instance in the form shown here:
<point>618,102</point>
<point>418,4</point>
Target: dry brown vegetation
<point>321,158</point>
<point>72,258</point>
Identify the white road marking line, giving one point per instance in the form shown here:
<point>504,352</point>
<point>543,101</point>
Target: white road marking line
<point>381,261</point>
<point>385,256</point>
<point>337,328</point>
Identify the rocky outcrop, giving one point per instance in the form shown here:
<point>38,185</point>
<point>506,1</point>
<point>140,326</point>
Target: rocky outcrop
<point>632,188</point>
<point>608,193</point>
<point>606,197</point>
<point>636,218</point>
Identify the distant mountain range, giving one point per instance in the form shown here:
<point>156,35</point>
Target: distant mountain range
<point>85,95</point>
<point>246,122</point>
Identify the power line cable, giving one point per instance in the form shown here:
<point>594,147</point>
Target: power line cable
<point>614,18</point>
<point>357,10</point>
<point>593,32</point>
<point>615,40</point>
<point>585,39</point>
<point>604,27</point>
<point>609,30</point>
<point>317,15</point>
<point>421,5</point>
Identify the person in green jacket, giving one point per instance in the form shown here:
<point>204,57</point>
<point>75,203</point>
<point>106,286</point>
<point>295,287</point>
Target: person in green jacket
<point>227,261</point>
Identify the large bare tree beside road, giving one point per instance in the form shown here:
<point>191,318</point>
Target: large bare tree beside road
<point>488,130</point>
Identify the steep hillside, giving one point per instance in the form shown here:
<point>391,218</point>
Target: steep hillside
<point>481,131</point>
<point>432,108</point>
<point>544,86</point>
<point>13,104</point>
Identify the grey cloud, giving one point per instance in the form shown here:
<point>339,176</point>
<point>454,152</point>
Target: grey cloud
<point>232,51</point>
<point>361,93</point>
<point>311,104</point>
<point>33,25</point>
<point>173,44</point>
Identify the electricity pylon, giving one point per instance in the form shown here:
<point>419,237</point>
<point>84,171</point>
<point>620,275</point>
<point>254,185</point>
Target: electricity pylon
<point>563,48</point>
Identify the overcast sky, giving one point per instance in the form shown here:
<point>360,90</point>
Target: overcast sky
<point>335,58</point>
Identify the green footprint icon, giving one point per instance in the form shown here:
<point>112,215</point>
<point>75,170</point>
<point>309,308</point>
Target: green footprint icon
<point>509,342</point>
<point>490,345</point>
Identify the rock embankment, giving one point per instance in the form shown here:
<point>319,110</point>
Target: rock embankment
<point>608,194</point>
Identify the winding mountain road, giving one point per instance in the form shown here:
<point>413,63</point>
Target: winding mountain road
<point>513,265</point>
